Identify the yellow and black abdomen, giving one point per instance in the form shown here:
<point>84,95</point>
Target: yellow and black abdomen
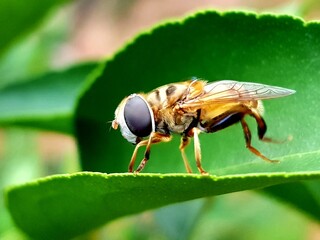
<point>216,117</point>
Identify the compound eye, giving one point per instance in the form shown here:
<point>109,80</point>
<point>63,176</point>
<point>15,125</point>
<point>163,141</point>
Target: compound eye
<point>137,116</point>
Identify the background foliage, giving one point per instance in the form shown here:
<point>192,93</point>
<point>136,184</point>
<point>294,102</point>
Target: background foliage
<point>277,50</point>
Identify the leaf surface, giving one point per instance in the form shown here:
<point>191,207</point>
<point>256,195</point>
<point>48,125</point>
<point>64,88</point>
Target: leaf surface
<point>19,17</point>
<point>65,206</point>
<point>45,102</point>
<point>275,50</point>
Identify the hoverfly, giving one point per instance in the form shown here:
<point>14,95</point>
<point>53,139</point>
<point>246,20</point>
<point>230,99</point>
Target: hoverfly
<point>189,108</point>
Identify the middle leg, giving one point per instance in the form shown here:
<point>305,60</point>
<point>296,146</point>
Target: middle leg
<point>197,150</point>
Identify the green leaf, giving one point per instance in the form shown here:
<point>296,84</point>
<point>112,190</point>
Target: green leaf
<point>17,18</point>
<point>177,221</point>
<point>275,50</point>
<point>45,102</point>
<point>303,195</point>
<point>65,206</point>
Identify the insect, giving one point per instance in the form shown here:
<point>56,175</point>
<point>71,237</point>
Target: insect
<point>189,108</point>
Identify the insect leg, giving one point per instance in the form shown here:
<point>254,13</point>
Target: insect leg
<point>185,140</point>
<point>134,155</point>
<point>197,150</point>
<point>262,128</point>
<point>154,138</point>
<point>247,136</point>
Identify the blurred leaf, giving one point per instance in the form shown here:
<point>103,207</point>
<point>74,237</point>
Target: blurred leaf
<point>308,192</point>
<point>249,216</point>
<point>19,162</point>
<point>34,55</point>
<point>65,206</point>
<point>17,18</point>
<point>308,6</point>
<point>45,102</point>
<point>178,220</point>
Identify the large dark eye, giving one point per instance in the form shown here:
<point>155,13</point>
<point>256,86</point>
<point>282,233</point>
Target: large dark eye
<point>138,117</point>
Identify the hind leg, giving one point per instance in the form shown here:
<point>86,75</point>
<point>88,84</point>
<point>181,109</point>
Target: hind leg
<point>262,128</point>
<point>184,143</point>
<point>261,131</point>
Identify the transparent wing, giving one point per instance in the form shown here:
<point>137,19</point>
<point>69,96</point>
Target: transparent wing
<point>230,91</point>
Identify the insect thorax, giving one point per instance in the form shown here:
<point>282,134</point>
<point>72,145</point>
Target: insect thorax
<point>163,101</point>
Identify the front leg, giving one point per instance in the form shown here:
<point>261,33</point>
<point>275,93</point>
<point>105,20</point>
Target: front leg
<point>154,138</point>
